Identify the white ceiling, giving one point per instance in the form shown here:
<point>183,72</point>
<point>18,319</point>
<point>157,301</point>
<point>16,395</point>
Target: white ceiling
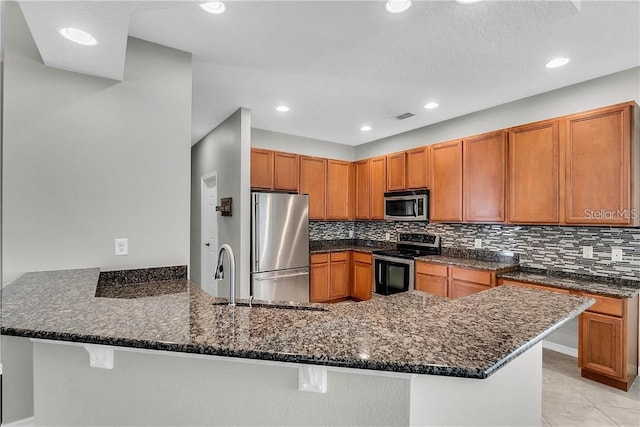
<point>342,64</point>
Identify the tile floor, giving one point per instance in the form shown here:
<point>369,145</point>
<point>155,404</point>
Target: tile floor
<point>570,400</point>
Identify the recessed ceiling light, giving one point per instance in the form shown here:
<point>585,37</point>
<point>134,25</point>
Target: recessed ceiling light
<point>465,2</point>
<point>398,6</point>
<point>431,105</point>
<point>78,36</point>
<point>282,108</point>
<point>365,128</point>
<point>557,62</point>
<point>215,7</point>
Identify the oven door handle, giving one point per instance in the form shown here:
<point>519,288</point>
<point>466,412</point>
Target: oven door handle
<point>393,259</point>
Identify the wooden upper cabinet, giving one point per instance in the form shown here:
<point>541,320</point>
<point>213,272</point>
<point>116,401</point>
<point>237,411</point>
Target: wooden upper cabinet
<point>533,173</point>
<point>446,181</point>
<point>396,172</point>
<point>599,167</point>
<point>378,174</point>
<point>261,168</point>
<point>417,168</point>
<point>362,196</point>
<point>484,177</point>
<point>338,189</point>
<point>313,181</point>
<point>285,171</point>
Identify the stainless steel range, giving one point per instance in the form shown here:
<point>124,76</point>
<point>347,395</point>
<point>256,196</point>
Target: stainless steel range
<point>394,269</point>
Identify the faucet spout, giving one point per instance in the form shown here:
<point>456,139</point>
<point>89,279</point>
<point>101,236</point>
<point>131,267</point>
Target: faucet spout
<point>219,273</point>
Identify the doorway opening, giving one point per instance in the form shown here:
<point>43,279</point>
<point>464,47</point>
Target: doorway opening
<point>209,233</point>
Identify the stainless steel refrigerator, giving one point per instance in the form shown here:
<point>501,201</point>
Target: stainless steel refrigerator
<point>280,247</point>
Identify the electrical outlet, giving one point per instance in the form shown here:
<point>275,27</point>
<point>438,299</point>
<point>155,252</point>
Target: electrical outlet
<point>387,236</point>
<point>616,254</point>
<point>351,234</point>
<point>587,252</point>
<point>477,243</point>
<point>122,246</point>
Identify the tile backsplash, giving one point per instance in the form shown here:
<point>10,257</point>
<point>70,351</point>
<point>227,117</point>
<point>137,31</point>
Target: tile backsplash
<point>547,247</point>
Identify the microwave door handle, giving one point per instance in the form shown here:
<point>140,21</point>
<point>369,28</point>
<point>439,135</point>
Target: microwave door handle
<point>415,208</point>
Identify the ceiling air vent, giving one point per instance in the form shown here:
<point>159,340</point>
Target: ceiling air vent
<point>404,116</point>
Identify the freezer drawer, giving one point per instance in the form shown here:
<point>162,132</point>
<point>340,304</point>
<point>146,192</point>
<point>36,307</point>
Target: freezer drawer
<point>283,285</point>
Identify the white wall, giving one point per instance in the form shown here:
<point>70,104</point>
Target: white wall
<point>87,160</point>
<point>612,89</point>
<point>297,144</point>
<point>225,150</point>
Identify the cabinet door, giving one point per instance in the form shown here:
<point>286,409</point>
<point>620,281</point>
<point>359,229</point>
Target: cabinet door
<point>460,289</point>
<point>338,179</point>
<point>285,171</point>
<point>484,177</point>
<point>601,344</point>
<point>533,163</point>
<point>261,169</point>
<point>319,278</point>
<point>598,167</point>
<point>362,277</point>
<point>396,171</point>
<point>313,181</point>
<point>339,275</point>
<point>446,181</point>
<point>378,186</point>
<point>362,189</point>
<point>417,167</point>
<point>432,284</point>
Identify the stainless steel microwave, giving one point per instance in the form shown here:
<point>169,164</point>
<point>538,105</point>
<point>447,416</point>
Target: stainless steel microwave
<point>410,205</point>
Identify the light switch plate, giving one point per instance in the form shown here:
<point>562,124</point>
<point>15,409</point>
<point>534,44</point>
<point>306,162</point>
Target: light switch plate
<point>587,252</point>
<point>122,246</point>
<point>387,236</point>
<point>616,254</point>
<point>477,243</point>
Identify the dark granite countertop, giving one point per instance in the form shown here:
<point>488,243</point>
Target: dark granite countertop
<point>477,264</point>
<point>368,246</point>
<point>412,332</point>
<point>618,288</point>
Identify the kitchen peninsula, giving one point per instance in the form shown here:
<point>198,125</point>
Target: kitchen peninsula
<point>171,354</point>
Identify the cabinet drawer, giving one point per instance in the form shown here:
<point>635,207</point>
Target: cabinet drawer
<point>432,284</point>
<point>606,305</point>
<point>475,276</point>
<point>532,286</point>
<point>339,256</point>
<point>362,257</point>
<point>432,269</point>
<point>319,258</point>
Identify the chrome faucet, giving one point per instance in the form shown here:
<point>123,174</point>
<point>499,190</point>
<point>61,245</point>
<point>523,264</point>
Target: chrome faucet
<point>219,273</point>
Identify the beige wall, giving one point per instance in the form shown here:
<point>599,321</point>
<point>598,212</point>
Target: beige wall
<point>225,151</point>
<point>612,89</point>
<point>87,160</point>
<point>297,144</point>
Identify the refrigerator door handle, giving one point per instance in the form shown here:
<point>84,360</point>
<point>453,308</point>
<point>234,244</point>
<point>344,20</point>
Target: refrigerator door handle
<point>260,279</point>
<point>254,235</point>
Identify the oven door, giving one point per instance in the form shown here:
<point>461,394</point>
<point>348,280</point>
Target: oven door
<point>392,275</point>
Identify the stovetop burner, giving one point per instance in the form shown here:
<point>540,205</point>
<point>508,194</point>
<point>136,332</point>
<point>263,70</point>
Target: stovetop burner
<point>414,245</point>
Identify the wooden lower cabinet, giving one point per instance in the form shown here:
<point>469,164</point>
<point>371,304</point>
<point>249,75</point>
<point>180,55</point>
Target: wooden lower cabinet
<point>601,344</point>
<point>362,276</point>
<point>458,288</point>
<point>432,278</point>
<point>319,278</point>
<point>339,273</point>
<point>450,281</point>
<point>607,337</point>
<point>335,276</point>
